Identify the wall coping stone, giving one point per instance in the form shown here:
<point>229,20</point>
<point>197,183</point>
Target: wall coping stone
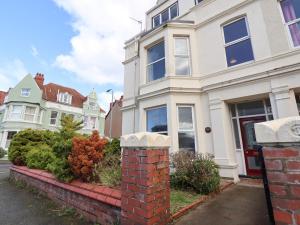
<point>286,130</point>
<point>100,193</point>
<point>145,140</point>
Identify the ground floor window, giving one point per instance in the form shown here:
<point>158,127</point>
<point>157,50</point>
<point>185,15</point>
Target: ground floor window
<point>157,120</point>
<point>298,102</point>
<point>186,128</point>
<point>10,136</point>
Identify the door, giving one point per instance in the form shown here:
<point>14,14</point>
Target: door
<point>253,163</point>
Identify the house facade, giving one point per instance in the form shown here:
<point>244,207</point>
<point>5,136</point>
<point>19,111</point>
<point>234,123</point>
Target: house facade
<point>205,71</point>
<point>33,104</point>
<point>113,119</point>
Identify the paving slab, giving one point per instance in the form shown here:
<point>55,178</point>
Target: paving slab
<point>238,205</point>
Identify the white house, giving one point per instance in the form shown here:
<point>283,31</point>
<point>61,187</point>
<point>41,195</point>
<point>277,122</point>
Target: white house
<point>205,71</point>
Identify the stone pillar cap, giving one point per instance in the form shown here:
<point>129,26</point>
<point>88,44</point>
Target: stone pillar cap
<point>145,139</point>
<point>284,130</point>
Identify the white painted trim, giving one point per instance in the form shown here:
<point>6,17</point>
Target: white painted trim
<point>61,107</point>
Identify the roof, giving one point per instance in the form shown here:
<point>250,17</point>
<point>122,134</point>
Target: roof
<point>2,96</point>
<point>102,110</point>
<point>51,90</point>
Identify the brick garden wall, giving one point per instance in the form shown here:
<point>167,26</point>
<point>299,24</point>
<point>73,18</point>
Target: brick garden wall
<point>97,203</point>
<point>283,171</point>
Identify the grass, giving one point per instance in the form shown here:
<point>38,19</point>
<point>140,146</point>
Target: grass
<point>181,199</point>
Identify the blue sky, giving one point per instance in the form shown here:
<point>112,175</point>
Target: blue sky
<point>69,41</point>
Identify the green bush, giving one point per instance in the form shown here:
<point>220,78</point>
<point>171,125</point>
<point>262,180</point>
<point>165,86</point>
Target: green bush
<point>26,140</point>
<point>62,148</point>
<point>108,171</point>
<point>195,171</point>
<point>113,148</point>
<point>39,157</point>
<point>60,168</point>
<point>2,153</point>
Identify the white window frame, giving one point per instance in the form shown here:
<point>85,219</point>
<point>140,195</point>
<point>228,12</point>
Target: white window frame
<point>11,112</point>
<point>194,130</point>
<point>286,25</point>
<point>188,56</point>
<point>169,14</point>
<point>158,107</point>
<point>25,92</point>
<point>238,40</point>
<point>52,118</point>
<point>65,98</point>
<point>34,114</point>
<point>163,58</point>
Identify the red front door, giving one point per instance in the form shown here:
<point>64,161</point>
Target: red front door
<point>253,163</point>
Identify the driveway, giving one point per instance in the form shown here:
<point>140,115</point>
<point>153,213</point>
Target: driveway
<point>238,205</point>
<point>20,206</point>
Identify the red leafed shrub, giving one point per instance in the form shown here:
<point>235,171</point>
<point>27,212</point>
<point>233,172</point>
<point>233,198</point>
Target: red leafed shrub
<point>86,152</point>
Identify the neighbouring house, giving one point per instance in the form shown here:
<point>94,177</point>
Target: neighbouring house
<point>205,71</point>
<point>113,129</point>
<point>33,104</point>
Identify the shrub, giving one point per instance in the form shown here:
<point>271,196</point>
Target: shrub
<point>25,140</point>
<point>108,171</point>
<point>62,148</point>
<point>39,157</point>
<point>60,168</point>
<point>195,171</point>
<point>85,153</point>
<point>113,148</point>
<point>69,127</point>
<point>2,152</point>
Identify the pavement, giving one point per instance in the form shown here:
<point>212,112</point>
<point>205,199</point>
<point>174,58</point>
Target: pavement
<point>241,204</point>
<point>21,206</point>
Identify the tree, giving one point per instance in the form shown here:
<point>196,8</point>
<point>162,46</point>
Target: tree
<point>69,127</point>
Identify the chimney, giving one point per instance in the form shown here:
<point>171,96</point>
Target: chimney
<point>39,79</point>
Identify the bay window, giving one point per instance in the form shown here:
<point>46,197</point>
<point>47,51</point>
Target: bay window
<point>291,14</point>
<point>16,112</point>
<point>168,14</point>
<point>29,113</point>
<point>182,56</point>
<point>157,120</point>
<point>156,62</point>
<point>238,45</point>
<point>186,128</point>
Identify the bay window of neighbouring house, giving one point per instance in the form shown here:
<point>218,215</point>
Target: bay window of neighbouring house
<point>53,117</point>
<point>168,14</point>
<point>291,14</point>
<point>238,45</point>
<point>156,62</point>
<point>157,120</point>
<point>186,128</point>
<point>182,56</point>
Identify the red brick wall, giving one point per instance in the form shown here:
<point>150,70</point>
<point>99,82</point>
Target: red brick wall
<point>283,171</point>
<point>145,196</point>
<point>97,203</point>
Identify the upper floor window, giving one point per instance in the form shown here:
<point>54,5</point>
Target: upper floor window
<point>25,92</point>
<point>198,1</point>
<point>182,56</point>
<point>168,14</point>
<point>156,62</point>
<point>93,122</point>
<point>291,14</point>
<point>237,42</point>
<point>65,98</point>
<point>93,105</point>
<point>157,120</point>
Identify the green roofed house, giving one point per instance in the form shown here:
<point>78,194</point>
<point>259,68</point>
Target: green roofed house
<point>33,104</point>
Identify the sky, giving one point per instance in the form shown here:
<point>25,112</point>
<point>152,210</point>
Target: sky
<point>75,43</point>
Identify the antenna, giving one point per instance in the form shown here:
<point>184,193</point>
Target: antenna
<point>138,21</point>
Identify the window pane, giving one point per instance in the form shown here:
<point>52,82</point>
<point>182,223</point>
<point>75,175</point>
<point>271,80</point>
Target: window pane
<point>239,53</point>
<point>290,9</point>
<point>156,70</point>
<point>182,66</point>
<point>156,21</point>
<point>181,46</point>
<point>156,52</point>
<point>251,108</point>
<point>165,16</point>
<point>295,33</point>
<point>174,11</point>
<point>235,30</point>
<point>17,109</point>
<point>186,141</point>
<point>236,134</point>
<point>157,120</point>
<point>185,118</point>
<point>298,102</point>
<point>30,110</point>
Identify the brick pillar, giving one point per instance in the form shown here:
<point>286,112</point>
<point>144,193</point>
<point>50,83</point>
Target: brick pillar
<point>281,141</point>
<point>145,197</point>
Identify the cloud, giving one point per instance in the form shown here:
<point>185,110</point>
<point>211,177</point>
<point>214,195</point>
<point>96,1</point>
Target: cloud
<point>105,99</point>
<point>34,51</point>
<point>11,73</point>
<point>102,27</point>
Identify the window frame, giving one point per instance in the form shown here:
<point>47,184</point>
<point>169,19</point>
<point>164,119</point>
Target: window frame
<point>27,114</point>
<point>156,61</point>
<point>28,91</point>
<point>287,24</point>
<point>21,113</point>
<point>169,15</point>
<point>52,118</point>
<point>194,130</point>
<point>153,108</point>
<point>188,56</point>
<point>248,37</point>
